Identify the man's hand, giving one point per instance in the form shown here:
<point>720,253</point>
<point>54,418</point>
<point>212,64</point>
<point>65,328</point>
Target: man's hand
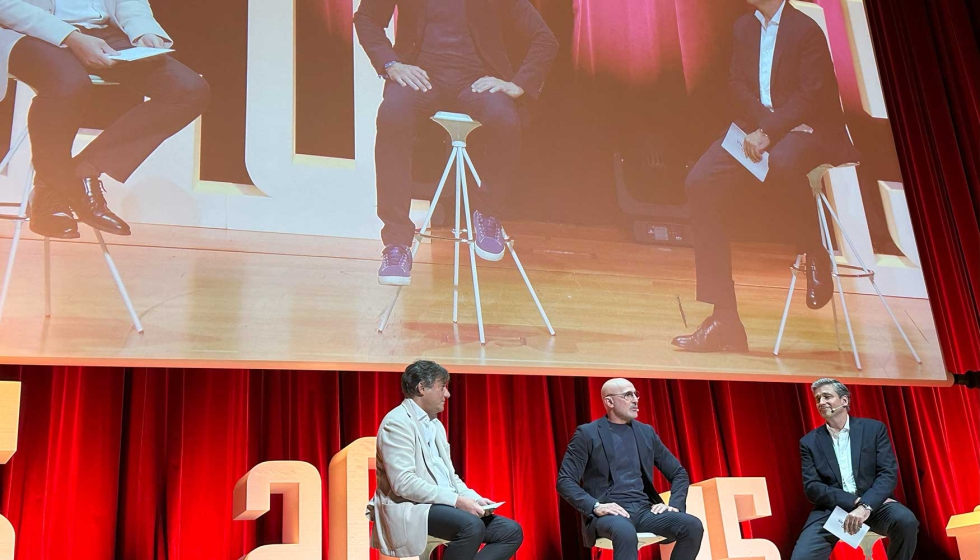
<point>469,506</point>
<point>853,521</point>
<point>493,85</point>
<point>151,40</point>
<point>407,75</point>
<point>92,52</point>
<point>755,145</point>
<point>602,510</point>
<point>660,508</point>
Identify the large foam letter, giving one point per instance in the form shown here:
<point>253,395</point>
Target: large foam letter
<point>350,538</point>
<point>695,507</point>
<point>9,422</point>
<point>302,514</point>
<point>965,528</point>
<point>729,501</point>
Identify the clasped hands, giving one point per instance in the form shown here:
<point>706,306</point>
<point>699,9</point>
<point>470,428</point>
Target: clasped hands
<point>854,520</point>
<point>418,79</point>
<point>613,508</point>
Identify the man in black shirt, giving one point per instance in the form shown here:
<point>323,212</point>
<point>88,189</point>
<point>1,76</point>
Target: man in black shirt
<point>606,476</point>
<point>449,55</point>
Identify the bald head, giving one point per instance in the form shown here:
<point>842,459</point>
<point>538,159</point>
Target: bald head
<point>621,400</point>
<point>615,386</point>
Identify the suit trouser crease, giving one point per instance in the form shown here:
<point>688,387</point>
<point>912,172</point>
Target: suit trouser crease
<point>718,180</point>
<point>177,95</point>
<point>683,529</point>
<point>398,120</point>
<point>466,532</point>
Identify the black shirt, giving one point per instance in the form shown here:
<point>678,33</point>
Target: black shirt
<point>624,466</point>
<point>448,52</point>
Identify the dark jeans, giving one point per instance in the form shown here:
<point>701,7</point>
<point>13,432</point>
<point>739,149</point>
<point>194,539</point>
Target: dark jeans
<point>681,528</point>
<point>717,180</point>
<point>892,520</point>
<point>177,96</point>
<point>398,118</point>
<point>466,532</point>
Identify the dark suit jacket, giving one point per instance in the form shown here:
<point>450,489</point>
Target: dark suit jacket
<point>803,85</point>
<point>584,477</point>
<point>489,21</point>
<point>872,460</point>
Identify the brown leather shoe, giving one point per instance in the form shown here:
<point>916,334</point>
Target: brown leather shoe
<point>715,336</point>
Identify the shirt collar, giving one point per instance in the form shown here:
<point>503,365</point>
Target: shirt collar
<point>775,18</point>
<point>846,428</point>
<point>420,414</point>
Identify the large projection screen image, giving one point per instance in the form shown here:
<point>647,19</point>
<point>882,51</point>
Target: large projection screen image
<point>661,188</point>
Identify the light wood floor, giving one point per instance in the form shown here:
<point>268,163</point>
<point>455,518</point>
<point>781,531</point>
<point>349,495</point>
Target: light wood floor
<point>243,299</point>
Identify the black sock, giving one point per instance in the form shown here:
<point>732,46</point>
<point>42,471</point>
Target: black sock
<point>725,312</point>
<point>85,170</point>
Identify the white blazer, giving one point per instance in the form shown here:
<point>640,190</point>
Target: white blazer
<point>35,18</point>
<point>406,485</point>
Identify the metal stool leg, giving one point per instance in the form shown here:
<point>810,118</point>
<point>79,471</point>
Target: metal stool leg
<point>829,246</point>
<point>825,231</point>
<point>415,242</point>
<point>19,226</point>
<point>789,298</point>
<point>457,236</point>
<point>874,285</point>
<point>119,282</point>
<point>513,253</point>
<point>471,242</point>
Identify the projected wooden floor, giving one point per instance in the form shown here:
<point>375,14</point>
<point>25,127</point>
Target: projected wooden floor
<point>240,299</point>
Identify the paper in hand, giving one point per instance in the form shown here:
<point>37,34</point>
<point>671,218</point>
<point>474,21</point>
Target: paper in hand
<point>734,144</point>
<point>493,506</point>
<point>835,524</point>
<point>138,53</point>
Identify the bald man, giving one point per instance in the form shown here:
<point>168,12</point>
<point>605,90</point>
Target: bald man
<point>606,476</point>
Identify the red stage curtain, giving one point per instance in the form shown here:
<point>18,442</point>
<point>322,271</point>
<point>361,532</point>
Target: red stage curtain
<point>140,464</point>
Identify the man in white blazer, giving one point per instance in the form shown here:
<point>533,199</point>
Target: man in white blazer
<point>418,492</point>
<point>53,46</point>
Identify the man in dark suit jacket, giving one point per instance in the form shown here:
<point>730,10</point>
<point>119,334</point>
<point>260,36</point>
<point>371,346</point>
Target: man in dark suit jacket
<point>848,463</point>
<point>786,99</point>
<point>449,55</point>
<point>606,476</point>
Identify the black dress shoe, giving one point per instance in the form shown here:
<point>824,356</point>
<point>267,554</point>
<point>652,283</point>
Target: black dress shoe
<point>819,282</point>
<point>89,205</point>
<point>49,214</point>
<point>715,336</point>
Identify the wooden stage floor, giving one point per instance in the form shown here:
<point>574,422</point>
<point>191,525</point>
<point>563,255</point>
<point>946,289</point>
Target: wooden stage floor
<point>219,298</point>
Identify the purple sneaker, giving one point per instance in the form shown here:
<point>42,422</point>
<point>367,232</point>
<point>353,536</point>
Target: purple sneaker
<point>396,266</point>
<point>489,237</point>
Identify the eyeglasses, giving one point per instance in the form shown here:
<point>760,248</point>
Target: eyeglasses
<point>628,395</point>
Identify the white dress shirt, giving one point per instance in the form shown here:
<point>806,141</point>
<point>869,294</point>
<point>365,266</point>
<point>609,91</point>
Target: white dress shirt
<point>842,448</point>
<point>90,14</point>
<point>767,47</point>
<point>429,427</point>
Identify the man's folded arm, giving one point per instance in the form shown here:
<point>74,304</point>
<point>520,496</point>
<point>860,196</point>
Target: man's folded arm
<point>33,21</point>
<point>676,474</point>
<point>750,110</point>
<point>815,66</point>
<point>370,21</point>
<point>397,446</point>
<point>542,49</point>
<point>571,471</point>
<point>819,493</point>
<point>885,472</point>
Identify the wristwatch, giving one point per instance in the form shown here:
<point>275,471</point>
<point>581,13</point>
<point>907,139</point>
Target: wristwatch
<point>391,63</point>
<point>864,505</point>
<point>595,506</point>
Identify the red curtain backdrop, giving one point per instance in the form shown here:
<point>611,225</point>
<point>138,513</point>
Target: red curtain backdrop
<point>140,464</point>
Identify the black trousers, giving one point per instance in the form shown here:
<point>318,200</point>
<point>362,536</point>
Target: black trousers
<point>398,118</point>
<point>893,520</point>
<point>683,529</point>
<point>177,96</point>
<point>717,180</point>
<point>466,532</point>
